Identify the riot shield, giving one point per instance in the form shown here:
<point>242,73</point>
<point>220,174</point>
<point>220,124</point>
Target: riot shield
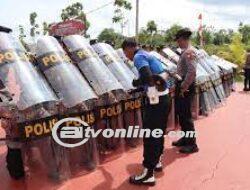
<point>215,90</point>
<point>20,77</point>
<point>227,69</point>
<point>202,80</point>
<point>76,95</point>
<point>124,75</point>
<point>63,76</point>
<point>115,64</point>
<point>171,55</point>
<point>96,72</point>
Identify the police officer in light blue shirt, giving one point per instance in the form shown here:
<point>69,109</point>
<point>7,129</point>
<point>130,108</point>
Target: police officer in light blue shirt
<point>153,78</point>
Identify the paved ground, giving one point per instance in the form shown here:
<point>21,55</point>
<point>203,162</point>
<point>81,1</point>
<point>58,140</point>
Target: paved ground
<point>222,163</point>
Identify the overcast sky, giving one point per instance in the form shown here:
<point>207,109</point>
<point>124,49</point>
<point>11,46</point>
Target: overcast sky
<point>216,13</point>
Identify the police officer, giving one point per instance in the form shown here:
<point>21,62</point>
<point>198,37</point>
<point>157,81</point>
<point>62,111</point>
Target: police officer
<point>185,91</point>
<point>156,108</point>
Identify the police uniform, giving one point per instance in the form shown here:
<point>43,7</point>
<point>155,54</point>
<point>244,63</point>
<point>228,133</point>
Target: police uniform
<point>186,91</point>
<point>154,117</point>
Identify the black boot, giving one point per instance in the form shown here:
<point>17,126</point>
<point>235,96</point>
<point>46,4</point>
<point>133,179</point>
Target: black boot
<point>145,178</point>
<point>15,163</point>
<point>180,142</point>
<point>189,149</point>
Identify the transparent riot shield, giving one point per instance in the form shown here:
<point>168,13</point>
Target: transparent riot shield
<point>20,76</point>
<point>124,75</point>
<point>115,64</point>
<point>33,100</point>
<point>171,55</point>
<point>170,66</point>
<point>73,90</point>
<point>63,76</point>
<point>227,71</point>
<point>202,78</point>
<point>93,68</point>
<point>215,92</point>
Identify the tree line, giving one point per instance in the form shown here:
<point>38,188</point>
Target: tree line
<point>226,43</point>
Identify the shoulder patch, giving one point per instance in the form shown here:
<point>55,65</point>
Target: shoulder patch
<point>190,55</point>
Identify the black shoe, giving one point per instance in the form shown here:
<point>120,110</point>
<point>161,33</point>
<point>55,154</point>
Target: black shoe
<point>189,149</point>
<point>179,143</point>
<point>145,178</point>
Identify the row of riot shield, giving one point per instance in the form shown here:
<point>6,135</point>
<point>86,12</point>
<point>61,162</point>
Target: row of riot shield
<point>33,99</point>
<point>105,84</point>
<point>209,82</point>
<point>54,85</point>
<point>227,71</point>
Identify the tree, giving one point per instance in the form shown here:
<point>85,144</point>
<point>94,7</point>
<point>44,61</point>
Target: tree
<point>151,27</point>
<point>208,36</point>
<point>222,37</point>
<point>144,36</point>
<point>120,7</point>
<point>245,32</point>
<point>75,11</point>
<point>22,35</point>
<point>45,28</point>
<point>237,49</point>
<point>109,35</point>
<point>170,33</point>
<point>34,30</point>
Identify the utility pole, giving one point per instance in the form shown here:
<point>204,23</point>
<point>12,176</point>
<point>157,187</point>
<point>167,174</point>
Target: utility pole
<point>137,19</point>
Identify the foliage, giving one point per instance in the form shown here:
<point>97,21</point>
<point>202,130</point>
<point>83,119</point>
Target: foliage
<point>151,27</point>
<point>45,28</point>
<point>120,7</point>
<point>109,35</point>
<point>237,49</point>
<point>245,32</point>
<point>34,30</point>
<point>170,33</point>
<point>22,35</point>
